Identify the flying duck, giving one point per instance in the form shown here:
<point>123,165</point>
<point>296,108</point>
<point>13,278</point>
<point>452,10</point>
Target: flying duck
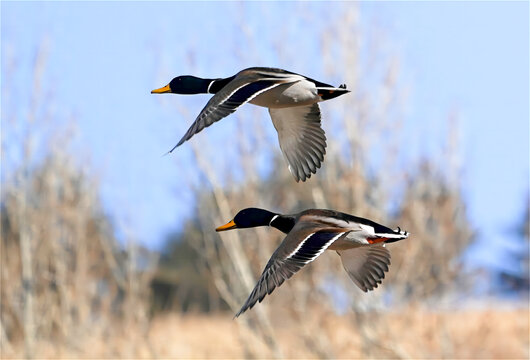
<point>292,101</point>
<point>359,242</point>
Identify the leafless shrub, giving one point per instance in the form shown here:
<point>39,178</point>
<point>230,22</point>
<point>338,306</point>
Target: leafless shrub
<point>66,281</point>
<point>435,215</point>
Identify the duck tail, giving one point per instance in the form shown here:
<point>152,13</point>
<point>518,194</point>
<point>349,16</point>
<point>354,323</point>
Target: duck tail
<point>327,93</point>
<point>397,235</point>
<point>386,235</point>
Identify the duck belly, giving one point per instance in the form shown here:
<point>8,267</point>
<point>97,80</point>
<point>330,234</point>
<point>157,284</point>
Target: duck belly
<point>300,93</point>
<point>343,245</point>
<point>352,240</point>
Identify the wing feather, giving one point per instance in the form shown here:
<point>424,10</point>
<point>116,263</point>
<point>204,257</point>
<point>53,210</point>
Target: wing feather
<point>302,139</point>
<point>366,265</point>
<point>236,93</point>
<point>288,258</point>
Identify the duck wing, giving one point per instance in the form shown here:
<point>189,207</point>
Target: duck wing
<point>301,246</point>
<point>366,265</point>
<point>302,139</point>
<point>243,88</point>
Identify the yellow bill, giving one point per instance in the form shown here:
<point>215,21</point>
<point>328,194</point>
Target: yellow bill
<point>229,225</point>
<point>162,90</point>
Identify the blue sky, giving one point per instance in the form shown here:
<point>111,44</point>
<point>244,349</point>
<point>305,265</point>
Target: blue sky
<point>105,57</point>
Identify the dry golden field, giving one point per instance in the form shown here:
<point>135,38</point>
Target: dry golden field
<point>418,334</point>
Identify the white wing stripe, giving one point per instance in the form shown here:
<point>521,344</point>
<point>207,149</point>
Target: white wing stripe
<point>325,247</point>
<point>299,246</point>
<point>320,251</point>
<point>245,84</point>
<point>261,91</point>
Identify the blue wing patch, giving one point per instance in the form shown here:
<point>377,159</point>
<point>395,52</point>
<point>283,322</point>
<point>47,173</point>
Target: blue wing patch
<point>313,246</point>
<point>246,92</point>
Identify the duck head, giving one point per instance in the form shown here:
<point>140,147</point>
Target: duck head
<point>185,84</point>
<point>249,218</point>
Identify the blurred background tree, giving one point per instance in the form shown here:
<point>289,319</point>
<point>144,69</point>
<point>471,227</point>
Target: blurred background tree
<point>518,281</point>
<point>66,280</point>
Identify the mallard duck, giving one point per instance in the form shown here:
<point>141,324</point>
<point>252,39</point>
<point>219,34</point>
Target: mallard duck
<point>359,242</point>
<point>292,101</point>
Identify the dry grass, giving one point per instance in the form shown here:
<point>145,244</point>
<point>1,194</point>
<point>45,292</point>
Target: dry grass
<point>499,334</point>
<point>420,334</point>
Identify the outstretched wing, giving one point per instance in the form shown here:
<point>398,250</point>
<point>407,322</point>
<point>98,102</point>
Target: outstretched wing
<point>243,88</point>
<point>301,138</point>
<point>366,265</point>
<point>290,257</point>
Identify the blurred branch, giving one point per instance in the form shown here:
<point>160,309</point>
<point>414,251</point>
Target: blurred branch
<point>234,250</point>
